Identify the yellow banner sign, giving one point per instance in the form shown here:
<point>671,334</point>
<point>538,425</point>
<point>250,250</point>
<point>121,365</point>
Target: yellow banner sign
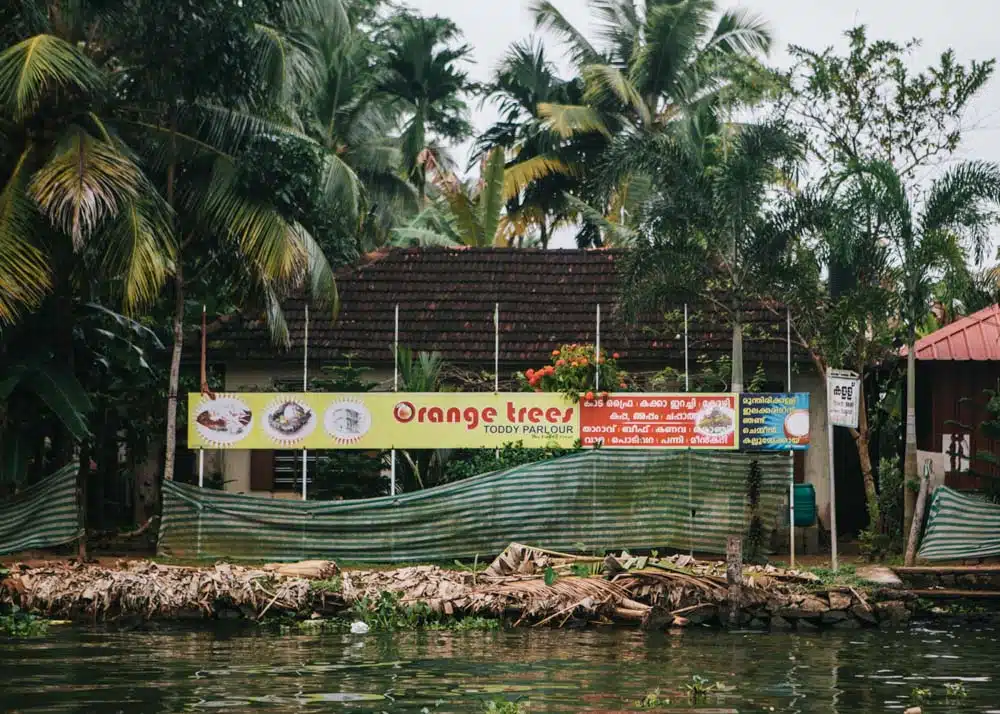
<point>381,420</point>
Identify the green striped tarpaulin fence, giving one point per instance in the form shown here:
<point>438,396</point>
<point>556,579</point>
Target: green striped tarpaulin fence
<point>591,500</point>
<point>960,527</point>
<point>43,515</point>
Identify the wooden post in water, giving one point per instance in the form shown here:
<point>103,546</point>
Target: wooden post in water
<point>734,577</point>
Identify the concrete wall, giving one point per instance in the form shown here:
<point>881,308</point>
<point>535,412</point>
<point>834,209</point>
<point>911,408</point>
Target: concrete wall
<point>818,455</point>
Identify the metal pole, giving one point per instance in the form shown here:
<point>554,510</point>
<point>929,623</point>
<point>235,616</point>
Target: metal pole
<point>201,451</point>
<point>833,486</point>
<point>496,348</point>
<point>305,388</point>
<point>597,353</point>
<point>687,388</point>
<point>687,371</point>
<point>496,359</point>
<point>395,388</point>
<point>791,454</point>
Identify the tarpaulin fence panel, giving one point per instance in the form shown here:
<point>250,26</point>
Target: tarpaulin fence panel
<point>960,527</point>
<point>592,500</point>
<point>43,515</point>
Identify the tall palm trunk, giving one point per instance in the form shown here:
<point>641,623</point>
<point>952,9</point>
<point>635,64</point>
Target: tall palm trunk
<point>173,385</point>
<point>737,367</point>
<point>910,454</point>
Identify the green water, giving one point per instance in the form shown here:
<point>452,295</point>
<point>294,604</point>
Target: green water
<point>551,670</point>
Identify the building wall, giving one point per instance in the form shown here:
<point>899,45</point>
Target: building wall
<point>235,464</point>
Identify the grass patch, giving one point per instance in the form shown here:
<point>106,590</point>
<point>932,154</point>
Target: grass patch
<point>385,613</point>
<point>502,706</point>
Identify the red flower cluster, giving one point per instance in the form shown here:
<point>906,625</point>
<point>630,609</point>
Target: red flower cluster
<point>574,372</point>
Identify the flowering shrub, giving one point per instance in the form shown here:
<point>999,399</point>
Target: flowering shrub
<point>573,371</point>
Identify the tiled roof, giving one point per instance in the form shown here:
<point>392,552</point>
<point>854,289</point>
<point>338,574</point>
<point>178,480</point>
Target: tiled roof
<point>973,338</point>
<point>446,300</point>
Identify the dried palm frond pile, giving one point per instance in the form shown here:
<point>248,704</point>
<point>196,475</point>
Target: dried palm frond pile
<point>151,590</point>
<point>524,585</point>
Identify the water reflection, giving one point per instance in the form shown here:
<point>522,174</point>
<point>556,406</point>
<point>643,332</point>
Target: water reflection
<point>590,671</point>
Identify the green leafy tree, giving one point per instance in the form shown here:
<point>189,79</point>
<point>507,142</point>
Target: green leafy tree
<point>862,108</point>
<point>357,124</point>
<point>654,66</point>
<point>471,218</point>
<point>543,167</point>
<point>868,104</point>
<point>710,230</point>
<point>141,172</point>
<point>420,72</point>
<point>926,239</point>
<point>675,65</point>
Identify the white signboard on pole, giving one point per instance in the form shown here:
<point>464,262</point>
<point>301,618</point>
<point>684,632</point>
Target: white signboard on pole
<point>843,397</point>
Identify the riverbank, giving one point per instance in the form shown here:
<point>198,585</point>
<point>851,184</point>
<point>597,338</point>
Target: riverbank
<point>522,587</point>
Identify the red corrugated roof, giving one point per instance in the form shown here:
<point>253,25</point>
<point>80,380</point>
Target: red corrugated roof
<point>973,338</point>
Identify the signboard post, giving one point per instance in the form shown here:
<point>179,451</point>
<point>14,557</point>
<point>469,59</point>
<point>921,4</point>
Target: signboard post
<point>843,400</point>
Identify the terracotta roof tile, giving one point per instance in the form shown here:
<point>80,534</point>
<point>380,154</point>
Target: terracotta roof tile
<point>446,299</point>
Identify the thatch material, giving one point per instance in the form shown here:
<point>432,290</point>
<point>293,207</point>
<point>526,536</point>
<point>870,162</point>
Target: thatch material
<point>151,590</point>
<point>523,585</point>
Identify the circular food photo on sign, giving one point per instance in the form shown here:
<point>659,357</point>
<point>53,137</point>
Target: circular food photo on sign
<point>714,421</point>
<point>224,420</point>
<point>347,421</point>
<point>289,421</point>
<point>796,426</point>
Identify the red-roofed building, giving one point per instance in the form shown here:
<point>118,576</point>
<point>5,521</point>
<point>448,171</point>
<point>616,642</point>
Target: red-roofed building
<point>954,365</point>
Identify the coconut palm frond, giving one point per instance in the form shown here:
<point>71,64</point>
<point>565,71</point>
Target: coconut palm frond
<point>261,234</point>
<point>524,173</point>
<point>25,277</point>
<point>741,32</point>
<point>616,235</point>
<point>568,121</point>
<point>341,185</point>
<point>287,62</point>
<point>38,65</point>
<point>83,183</point>
<point>139,250</point>
<point>604,83</point>
<point>322,280</point>
<point>549,17</point>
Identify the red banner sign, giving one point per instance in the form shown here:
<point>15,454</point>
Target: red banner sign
<point>660,421</point>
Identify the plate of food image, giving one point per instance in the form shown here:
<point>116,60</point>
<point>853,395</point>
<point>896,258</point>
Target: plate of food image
<point>223,420</point>
<point>715,421</point>
<point>288,421</point>
<point>796,426</point>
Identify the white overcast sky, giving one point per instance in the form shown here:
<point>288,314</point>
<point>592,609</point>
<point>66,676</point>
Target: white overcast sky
<point>967,26</point>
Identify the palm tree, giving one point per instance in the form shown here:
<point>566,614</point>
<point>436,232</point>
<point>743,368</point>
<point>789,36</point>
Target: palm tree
<point>468,218</point>
<point>526,79</point>
<point>352,120</point>
<point>655,64</point>
<point>711,229</point>
<point>420,73</point>
<point>142,176</point>
<point>925,240</point>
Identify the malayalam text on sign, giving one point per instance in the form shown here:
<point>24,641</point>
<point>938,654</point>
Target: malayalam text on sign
<point>774,422</point>
<point>660,421</point>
